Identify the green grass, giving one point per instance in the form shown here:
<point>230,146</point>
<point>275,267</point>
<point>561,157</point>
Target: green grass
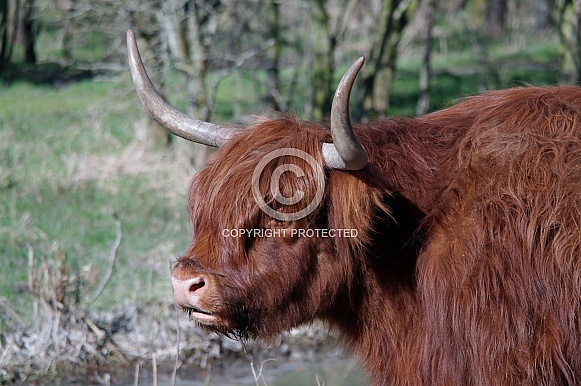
<point>60,152</point>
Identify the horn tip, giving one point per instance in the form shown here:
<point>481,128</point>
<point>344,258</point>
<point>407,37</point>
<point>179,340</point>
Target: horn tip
<point>359,63</point>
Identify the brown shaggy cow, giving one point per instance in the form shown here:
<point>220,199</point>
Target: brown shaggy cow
<point>465,264</point>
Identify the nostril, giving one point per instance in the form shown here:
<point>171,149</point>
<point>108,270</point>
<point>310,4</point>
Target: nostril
<point>196,286</point>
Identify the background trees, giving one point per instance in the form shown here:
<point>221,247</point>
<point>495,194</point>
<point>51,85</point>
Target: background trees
<point>17,28</point>
<point>294,49</point>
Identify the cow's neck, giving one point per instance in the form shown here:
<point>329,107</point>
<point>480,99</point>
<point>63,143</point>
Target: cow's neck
<point>381,315</point>
<point>376,329</point>
<point>381,307</point>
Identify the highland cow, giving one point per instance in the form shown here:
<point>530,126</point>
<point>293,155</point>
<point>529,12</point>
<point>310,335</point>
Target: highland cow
<point>462,264</point>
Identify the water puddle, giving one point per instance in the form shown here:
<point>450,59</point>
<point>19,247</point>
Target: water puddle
<point>326,371</point>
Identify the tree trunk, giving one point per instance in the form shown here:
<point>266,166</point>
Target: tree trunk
<point>198,60</point>
<point>272,71</point>
<point>323,62</point>
<point>328,30</point>
<point>10,26</point>
<point>496,16</point>
<point>197,91</point>
<point>377,82</point>
<point>570,33</point>
<point>4,28</point>
<point>423,105</point>
<point>28,32</point>
<point>68,32</point>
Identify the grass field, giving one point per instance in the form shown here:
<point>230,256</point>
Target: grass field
<point>70,159</point>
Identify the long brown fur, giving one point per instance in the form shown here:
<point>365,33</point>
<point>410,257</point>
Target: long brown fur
<point>467,265</point>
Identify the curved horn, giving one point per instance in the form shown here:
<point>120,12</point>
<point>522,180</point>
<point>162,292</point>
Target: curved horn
<point>171,119</point>
<point>345,152</point>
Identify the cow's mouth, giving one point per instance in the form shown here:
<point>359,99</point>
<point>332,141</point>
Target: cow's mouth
<point>199,315</point>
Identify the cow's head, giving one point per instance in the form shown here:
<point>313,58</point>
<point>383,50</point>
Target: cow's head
<point>276,229</point>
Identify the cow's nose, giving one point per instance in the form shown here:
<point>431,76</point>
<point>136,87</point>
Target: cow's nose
<point>187,293</point>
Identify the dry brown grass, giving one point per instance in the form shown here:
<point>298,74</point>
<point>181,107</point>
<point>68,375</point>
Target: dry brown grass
<point>68,341</point>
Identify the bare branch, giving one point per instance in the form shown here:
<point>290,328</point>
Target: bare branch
<point>136,377</point>
<point>176,365</point>
<point>154,366</point>
<point>112,258</point>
